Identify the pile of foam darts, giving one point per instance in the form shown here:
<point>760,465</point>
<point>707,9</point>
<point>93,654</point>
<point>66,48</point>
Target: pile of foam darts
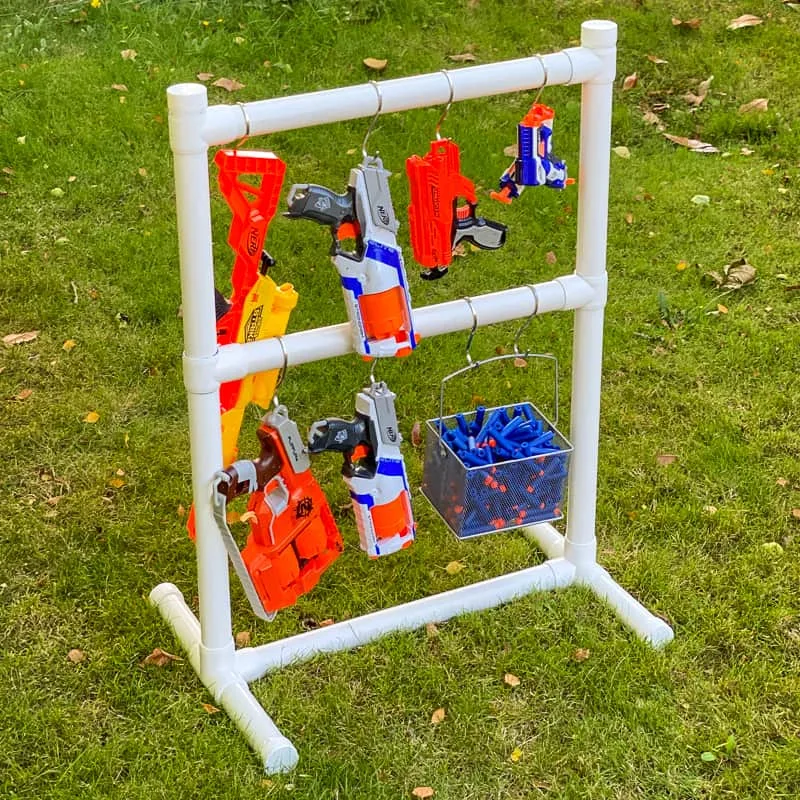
<point>516,467</point>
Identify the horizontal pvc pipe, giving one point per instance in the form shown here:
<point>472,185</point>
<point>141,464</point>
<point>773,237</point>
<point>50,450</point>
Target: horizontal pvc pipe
<point>254,662</point>
<point>568,292</point>
<point>646,625</point>
<point>550,541</point>
<point>226,123</point>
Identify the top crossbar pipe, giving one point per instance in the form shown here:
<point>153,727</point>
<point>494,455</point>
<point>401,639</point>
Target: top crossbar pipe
<point>227,123</point>
<point>235,361</point>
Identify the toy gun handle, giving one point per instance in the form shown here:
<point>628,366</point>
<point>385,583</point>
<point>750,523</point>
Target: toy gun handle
<point>246,477</point>
<point>322,205</point>
<point>350,437</point>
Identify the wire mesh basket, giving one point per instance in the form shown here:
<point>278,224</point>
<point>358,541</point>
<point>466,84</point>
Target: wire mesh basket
<point>475,500</point>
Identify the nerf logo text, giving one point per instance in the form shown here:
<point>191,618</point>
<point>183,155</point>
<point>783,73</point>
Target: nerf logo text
<point>252,241</point>
<point>383,215</point>
<point>252,327</point>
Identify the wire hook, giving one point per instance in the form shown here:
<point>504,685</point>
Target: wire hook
<point>468,301</point>
<point>447,107</point>
<point>522,328</point>
<point>282,371</point>
<point>546,77</point>
<point>377,89</point>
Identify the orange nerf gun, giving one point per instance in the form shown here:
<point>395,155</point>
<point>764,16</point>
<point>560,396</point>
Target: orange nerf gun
<point>436,222</point>
<point>293,536</point>
<point>258,307</point>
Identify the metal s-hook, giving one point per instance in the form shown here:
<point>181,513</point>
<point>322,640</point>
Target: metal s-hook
<point>281,373</point>
<point>468,301</point>
<point>522,328</point>
<point>546,77</point>
<point>447,107</point>
<point>377,89</point>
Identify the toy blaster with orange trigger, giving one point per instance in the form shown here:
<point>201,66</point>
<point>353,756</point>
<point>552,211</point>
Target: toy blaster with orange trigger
<point>373,470</point>
<point>535,164</point>
<point>293,535</point>
<point>372,275</point>
<point>436,222</point>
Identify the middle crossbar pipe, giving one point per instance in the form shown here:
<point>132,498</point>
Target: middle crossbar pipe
<point>235,361</point>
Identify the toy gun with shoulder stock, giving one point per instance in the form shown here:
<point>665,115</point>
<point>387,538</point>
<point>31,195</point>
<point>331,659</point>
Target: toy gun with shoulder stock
<point>293,536</point>
<point>373,470</point>
<point>535,164</point>
<point>436,222</point>
<point>372,275</point>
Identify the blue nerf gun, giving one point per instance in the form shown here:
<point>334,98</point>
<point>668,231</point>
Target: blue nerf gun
<point>372,274</point>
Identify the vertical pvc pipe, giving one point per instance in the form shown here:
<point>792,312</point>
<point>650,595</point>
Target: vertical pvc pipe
<point>580,546</point>
<point>187,110</point>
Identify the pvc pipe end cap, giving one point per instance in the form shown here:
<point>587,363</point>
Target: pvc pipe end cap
<point>282,756</point>
<point>598,34</point>
<point>163,591</point>
<point>187,97</point>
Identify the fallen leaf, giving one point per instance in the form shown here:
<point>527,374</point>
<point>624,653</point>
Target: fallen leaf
<point>796,513</point>
<point>759,104</point>
<point>431,630</point>
<point>116,483</point>
<point>782,482</point>
<point>24,394</point>
<point>581,654</point>
<point>695,145</point>
<point>653,119</point>
<point>629,218</point>
<point>461,57</point>
<point>422,792</point>
<point>746,151</point>
<point>692,24</point>
<point>128,55</point>
<point>460,251</point>
<point>204,76</point>
<point>630,81</point>
<point>705,85</point>
<point>181,511</point>
<point>550,257</point>
<point>57,191</point>
<point>657,60</point>
<point>512,151</point>
<point>68,345</point>
<point>516,755</point>
<point>694,99</point>
<point>159,658</point>
<point>378,64</point>
<point>228,84</point>
<point>511,680</point>
<point>437,716</point>
<point>416,435</point>
<point>665,459</point>
<point>520,362</point>
<point>701,199</point>
<point>76,656</point>
<point>681,266</point>
<point>621,151</point>
<point>710,510</point>
<point>454,567</point>
<point>745,21</point>
<point>19,338</point>
<point>246,516</point>
<point>91,417</point>
<point>209,709</point>
<point>733,276</point>
<point>142,171</point>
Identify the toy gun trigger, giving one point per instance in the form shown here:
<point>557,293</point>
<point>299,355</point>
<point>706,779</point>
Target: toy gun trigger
<point>483,233</point>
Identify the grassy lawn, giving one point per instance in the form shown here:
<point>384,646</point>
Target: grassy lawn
<point>92,512</point>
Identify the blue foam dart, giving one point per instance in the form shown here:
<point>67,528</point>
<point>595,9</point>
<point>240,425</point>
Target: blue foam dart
<point>480,413</point>
<point>462,424</point>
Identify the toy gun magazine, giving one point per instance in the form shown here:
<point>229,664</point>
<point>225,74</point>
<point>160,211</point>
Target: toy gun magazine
<point>373,470</point>
<point>293,536</point>
<point>436,222</point>
<point>372,275</point>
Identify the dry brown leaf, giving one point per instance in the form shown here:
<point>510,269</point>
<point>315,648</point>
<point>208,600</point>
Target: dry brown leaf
<point>431,630</point>
<point>652,119</point>
<point>378,64</point>
<point>19,338</point>
<point>581,654</point>
<point>782,482</point>
<point>462,57</point>
<point>116,483</point>
<point>416,434</point>
<point>438,716</point>
<point>76,656</point>
<point>745,21</point>
<point>520,362</point>
<point>694,99</point>
<point>8,171</point>
<point>630,81</point>
<point>128,55</point>
<point>181,511</point>
<point>454,567</point>
<point>759,104</point>
<point>695,145</point>
<point>512,151</point>
<point>629,218</point>
<point>550,257</point>
<point>119,87</point>
<point>796,513</point>
<point>68,345</point>
<point>204,76</point>
<point>733,276</point>
<point>209,708</point>
<point>24,394</point>
<point>460,251</point>
<point>657,60</point>
<point>665,459</point>
<point>422,792</point>
<point>246,516</point>
<point>159,658</point>
<point>142,171</point>
<point>229,84</point>
<point>511,680</point>
<point>326,622</point>
<point>721,309</point>
<point>692,24</point>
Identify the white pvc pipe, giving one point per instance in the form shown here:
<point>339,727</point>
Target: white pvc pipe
<point>549,540</point>
<point>187,106</point>
<point>254,662</point>
<point>646,625</point>
<point>580,546</point>
<point>565,293</point>
<point>227,123</point>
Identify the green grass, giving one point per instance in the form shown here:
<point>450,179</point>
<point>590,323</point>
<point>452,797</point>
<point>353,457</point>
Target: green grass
<point>720,391</point>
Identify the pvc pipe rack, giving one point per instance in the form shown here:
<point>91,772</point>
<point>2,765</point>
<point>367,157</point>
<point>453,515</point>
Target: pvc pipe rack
<point>194,127</point>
